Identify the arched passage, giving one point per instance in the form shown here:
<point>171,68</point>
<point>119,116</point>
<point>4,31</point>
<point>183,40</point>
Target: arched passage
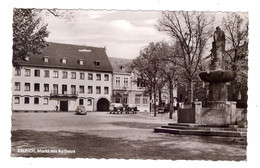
<point>103,104</point>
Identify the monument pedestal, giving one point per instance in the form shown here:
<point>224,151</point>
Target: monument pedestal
<point>220,113</point>
<point>217,92</point>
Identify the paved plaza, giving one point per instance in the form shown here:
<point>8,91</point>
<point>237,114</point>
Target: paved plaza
<point>104,135</point>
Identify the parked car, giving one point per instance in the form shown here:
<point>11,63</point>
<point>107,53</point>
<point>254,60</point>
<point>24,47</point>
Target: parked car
<point>132,108</point>
<point>81,110</point>
<point>116,108</point>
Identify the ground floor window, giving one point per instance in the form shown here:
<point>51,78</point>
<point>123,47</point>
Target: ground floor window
<point>145,100</point>
<point>36,100</point>
<point>81,101</point>
<point>17,100</point>
<point>124,100</point>
<point>117,100</point>
<point>45,101</point>
<point>137,99</point>
<point>89,102</point>
<point>26,100</point>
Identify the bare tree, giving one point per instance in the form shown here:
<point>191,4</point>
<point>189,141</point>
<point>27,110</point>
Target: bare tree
<point>236,31</point>
<point>191,31</point>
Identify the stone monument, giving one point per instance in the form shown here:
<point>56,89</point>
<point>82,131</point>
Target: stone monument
<point>219,111</point>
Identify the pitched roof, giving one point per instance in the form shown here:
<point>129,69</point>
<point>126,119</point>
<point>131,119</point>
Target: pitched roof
<point>120,65</point>
<point>72,53</point>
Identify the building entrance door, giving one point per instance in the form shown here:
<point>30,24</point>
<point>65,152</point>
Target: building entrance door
<point>64,105</point>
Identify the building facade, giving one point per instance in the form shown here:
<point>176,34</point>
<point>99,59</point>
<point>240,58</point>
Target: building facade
<point>64,76</point>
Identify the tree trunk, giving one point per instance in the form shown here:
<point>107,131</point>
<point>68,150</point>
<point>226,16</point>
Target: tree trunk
<point>154,101</point>
<point>160,97</point>
<point>190,91</point>
<point>171,99</point>
<point>150,95</point>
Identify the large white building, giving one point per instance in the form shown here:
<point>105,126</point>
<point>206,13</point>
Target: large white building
<point>66,76</point>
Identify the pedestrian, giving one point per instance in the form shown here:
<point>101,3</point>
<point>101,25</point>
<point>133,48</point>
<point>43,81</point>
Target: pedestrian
<point>56,108</point>
<point>175,105</point>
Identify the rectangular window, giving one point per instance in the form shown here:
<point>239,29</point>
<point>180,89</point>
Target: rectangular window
<point>16,100</point>
<point>90,76</point>
<point>46,73</point>
<point>64,89</point>
<point>117,81</point>
<point>46,59</point>
<point>73,75</point>
<point>90,89</point>
<point>27,87</point>
<point>64,74</point>
<point>80,62</point>
<point>36,87</point>
<point>45,101</point>
<point>125,82</point>
<point>17,86</point>
<point>55,74</point>
<point>98,90</point>
<point>125,100</point>
<point>106,76</point>
<point>82,76</point>
<point>63,60</point>
<point>27,72</point>
<point>17,72</point>
<point>37,73</point>
<point>81,101</point>
<point>98,76</point>
<point>26,100</point>
<point>145,100</point>
<point>55,88</point>
<point>106,90</point>
<point>36,100</point>
<point>73,89</point>
<point>81,89</point>
<point>46,87</point>
<point>137,99</point>
<point>89,102</point>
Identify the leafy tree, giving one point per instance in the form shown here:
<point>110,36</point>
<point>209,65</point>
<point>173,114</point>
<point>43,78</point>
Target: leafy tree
<point>29,34</point>
<point>30,31</point>
<point>190,31</point>
<point>147,67</point>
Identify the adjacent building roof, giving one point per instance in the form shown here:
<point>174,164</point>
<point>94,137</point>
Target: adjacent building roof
<point>68,56</point>
<point>120,65</point>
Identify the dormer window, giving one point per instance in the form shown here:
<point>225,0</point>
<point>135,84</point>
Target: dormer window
<point>46,59</point>
<point>80,62</point>
<point>27,58</point>
<point>97,62</point>
<point>64,60</point>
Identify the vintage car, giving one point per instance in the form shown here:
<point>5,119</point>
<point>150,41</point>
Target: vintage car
<point>131,108</point>
<point>81,110</point>
<point>116,108</point>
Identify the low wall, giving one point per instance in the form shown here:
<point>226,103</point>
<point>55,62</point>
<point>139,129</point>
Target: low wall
<point>219,113</point>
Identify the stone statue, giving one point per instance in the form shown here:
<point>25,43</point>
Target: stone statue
<point>218,48</point>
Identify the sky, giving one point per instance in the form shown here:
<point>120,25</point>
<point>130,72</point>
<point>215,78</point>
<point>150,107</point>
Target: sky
<point>123,33</point>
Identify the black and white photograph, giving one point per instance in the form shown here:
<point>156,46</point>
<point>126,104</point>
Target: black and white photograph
<point>120,84</point>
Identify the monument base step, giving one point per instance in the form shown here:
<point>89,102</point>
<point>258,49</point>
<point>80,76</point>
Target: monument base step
<point>201,130</point>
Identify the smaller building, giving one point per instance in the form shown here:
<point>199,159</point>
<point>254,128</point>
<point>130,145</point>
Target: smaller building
<point>126,88</point>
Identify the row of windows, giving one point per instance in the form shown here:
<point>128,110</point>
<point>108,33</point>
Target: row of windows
<point>46,87</point>
<point>118,81</point>
<point>17,100</point>
<point>27,100</point>
<point>64,74</point>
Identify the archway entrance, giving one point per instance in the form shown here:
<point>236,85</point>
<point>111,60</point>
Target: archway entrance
<point>103,105</point>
